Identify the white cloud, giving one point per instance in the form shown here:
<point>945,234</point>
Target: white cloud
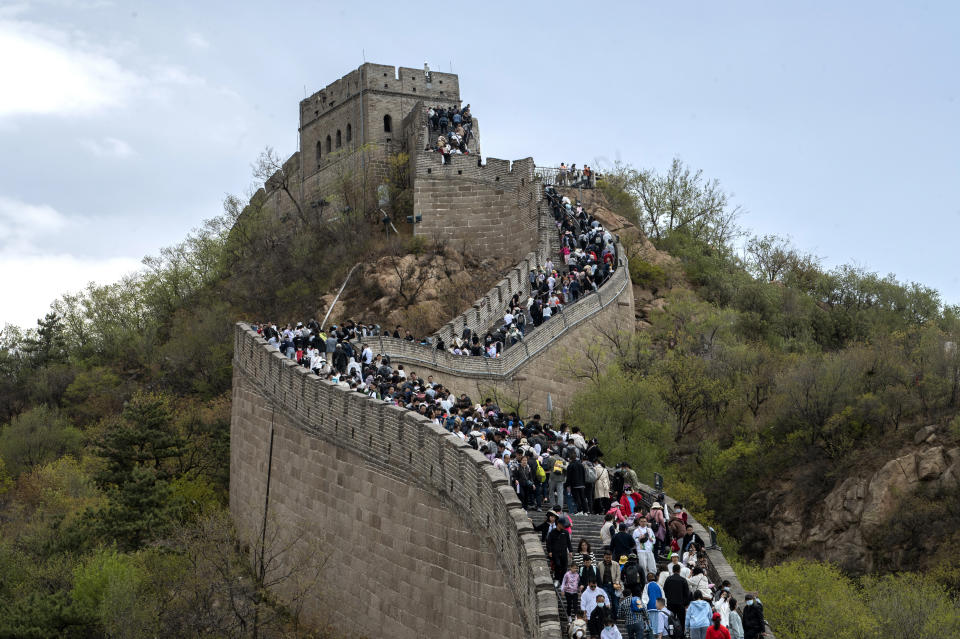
<point>23,225</point>
<point>108,148</point>
<point>34,281</point>
<point>46,71</point>
<point>197,41</point>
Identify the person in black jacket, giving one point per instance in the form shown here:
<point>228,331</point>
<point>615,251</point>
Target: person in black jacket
<point>752,617</point>
<point>558,549</point>
<point>677,592</point>
<point>622,544</point>
<point>546,526</point>
<point>577,483</point>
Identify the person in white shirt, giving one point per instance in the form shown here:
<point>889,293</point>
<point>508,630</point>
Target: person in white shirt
<point>610,631</point>
<point>674,561</point>
<point>366,355</point>
<point>507,319</point>
<point>644,538</point>
<point>588,598</point>
<point>659,619</point>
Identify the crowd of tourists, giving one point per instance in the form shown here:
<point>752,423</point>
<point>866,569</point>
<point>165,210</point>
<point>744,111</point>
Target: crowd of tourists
<point>560,470</point>
<point>455,127</point>
<point>572,176</point>
<point>555,469</point>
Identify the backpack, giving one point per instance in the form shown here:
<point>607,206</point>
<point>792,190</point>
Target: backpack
<point>630,574</point>
<point>559,466</point>
<point>590,472</point>
<point>616,486</point>
<point>636,604</point>
<point>541,474</point>
<point>655,526</point>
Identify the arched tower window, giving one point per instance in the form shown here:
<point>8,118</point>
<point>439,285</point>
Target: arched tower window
<point>319,149</point>
<point>338,138</point>
<point>329,146</point>
<point>349,133</point>
<point>387,124</point>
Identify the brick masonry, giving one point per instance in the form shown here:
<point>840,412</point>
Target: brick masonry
<point>428,536</point>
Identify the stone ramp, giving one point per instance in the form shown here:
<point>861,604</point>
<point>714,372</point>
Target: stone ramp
<point>584,527</point>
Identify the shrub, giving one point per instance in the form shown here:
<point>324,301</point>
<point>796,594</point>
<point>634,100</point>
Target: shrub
<point>647,275</point>
<point>805,599</point>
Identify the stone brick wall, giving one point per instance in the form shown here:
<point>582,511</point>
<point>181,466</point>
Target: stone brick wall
<point>539,365</point>
<point>491,209</point>
<point>425,537</point>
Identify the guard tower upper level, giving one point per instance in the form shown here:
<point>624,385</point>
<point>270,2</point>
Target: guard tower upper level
<point>367,106</point>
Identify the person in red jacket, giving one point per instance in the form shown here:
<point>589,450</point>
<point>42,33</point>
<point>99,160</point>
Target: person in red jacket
<point>716,631</point>
<point>629,502</point>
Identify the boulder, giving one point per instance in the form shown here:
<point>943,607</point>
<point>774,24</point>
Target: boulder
<point>924,434</point>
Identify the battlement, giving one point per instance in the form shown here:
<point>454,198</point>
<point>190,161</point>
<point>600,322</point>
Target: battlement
<point>442,88</point>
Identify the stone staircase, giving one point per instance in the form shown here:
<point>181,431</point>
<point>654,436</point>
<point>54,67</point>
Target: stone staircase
<point>584,527</point>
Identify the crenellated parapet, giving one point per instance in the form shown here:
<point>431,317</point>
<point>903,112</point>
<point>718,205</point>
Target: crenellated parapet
<point>432,536</point>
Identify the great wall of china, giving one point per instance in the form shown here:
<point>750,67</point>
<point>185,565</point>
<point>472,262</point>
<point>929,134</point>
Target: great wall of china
<point>424,537</point>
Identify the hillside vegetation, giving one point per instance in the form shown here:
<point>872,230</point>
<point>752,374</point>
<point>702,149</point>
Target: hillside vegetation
<point>760,370</point>
<point>767,378</point>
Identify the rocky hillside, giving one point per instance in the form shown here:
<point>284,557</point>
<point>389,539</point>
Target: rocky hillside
<point>852,525</point>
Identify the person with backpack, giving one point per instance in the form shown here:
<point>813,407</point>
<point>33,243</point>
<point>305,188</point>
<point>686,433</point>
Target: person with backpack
<point>662,621</point>
<point>633,613</point>
<point>630,573</point>
<point>677,591</point>
<point>558,477</point>
<point>658,524</point>
<point>753,623</point>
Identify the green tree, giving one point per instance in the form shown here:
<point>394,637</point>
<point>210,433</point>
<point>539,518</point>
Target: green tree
<point>144,437</point>
<point>37,436</point>
<point>682,200</point>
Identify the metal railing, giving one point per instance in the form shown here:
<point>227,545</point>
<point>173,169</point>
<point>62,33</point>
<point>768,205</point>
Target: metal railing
<point>551,175</point>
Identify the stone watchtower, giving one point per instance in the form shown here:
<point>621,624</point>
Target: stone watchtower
<point>370,107</point>
<point>352,127</point>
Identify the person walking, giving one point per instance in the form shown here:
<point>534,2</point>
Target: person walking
<point>699,614</point>
<point>633,613</point>
<point>677,592</point>
<point>736,624</point>
<point>558,551</point>
<point>716,629</point>
<point>753,623</point>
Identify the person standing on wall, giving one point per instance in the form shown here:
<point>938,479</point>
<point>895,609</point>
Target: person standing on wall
<point>577,482</point>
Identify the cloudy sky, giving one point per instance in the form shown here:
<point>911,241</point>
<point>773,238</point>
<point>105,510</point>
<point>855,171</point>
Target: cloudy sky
<point>123,124</point>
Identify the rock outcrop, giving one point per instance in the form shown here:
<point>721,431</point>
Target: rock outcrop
<point>841,527</point>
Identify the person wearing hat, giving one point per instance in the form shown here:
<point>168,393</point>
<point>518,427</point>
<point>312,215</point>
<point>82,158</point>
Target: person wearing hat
<point>546,526</point>
<point>658,523</point>
<point>716,629</point>
<point>668,570</point>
